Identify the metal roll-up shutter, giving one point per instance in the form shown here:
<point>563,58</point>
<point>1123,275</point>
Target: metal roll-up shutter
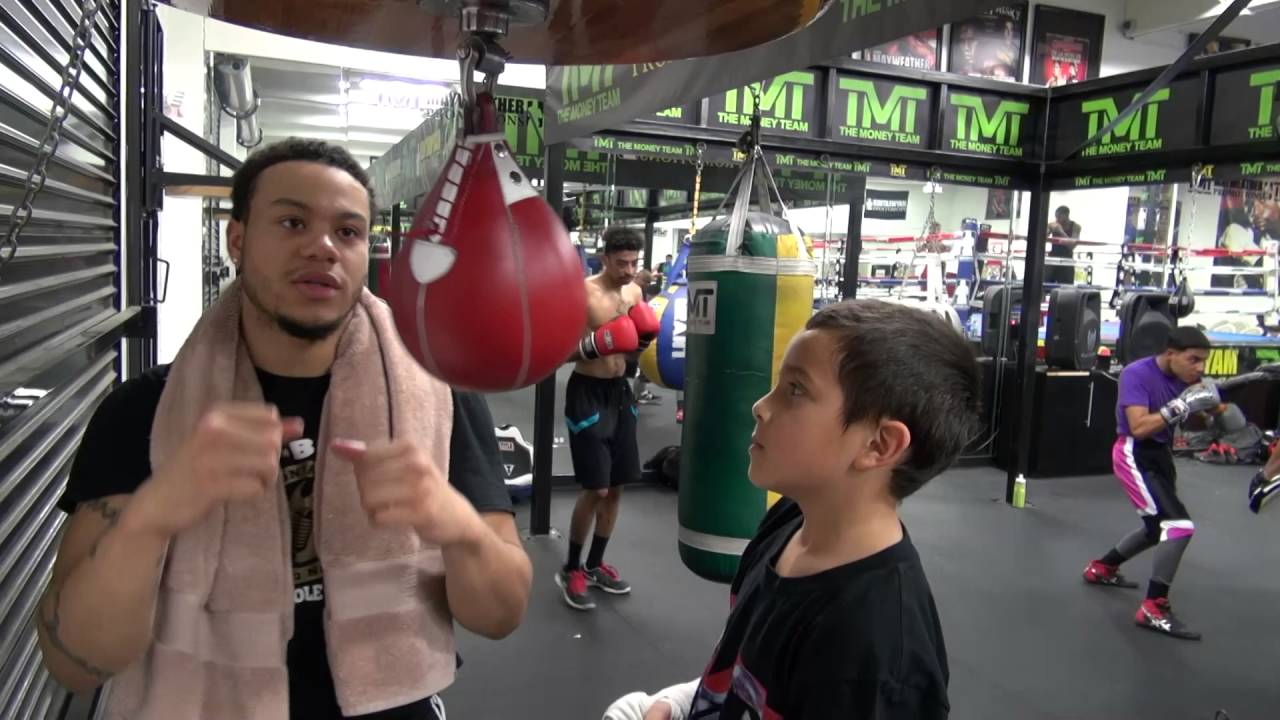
<point>62,312</point>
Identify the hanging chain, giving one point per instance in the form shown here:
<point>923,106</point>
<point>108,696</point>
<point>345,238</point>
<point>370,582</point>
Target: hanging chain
<point>697,190</point>
<point>930,222</point>
<point>20,215</point>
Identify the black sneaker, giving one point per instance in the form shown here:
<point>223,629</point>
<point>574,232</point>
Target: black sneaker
<point>606,578</point>
<point>573,585</point>
<point>1158,616</point>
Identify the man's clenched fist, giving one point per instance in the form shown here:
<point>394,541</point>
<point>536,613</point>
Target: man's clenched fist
<point>232,454</point>
<point>401,487</point>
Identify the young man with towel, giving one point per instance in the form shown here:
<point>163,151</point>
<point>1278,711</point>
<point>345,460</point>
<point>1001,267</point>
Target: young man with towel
<point>263,530</point>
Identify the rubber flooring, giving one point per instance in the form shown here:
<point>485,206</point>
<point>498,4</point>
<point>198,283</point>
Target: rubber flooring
<point>1026,637</point>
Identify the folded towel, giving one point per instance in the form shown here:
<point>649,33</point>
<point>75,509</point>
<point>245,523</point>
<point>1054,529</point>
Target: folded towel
<point>224,613</point>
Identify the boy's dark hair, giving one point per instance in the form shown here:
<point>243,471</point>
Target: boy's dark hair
<point>245,180</point>
<point>901,363</point>
<point>1062,210</point>
<point>1186,337</point>
<point>622,239</point>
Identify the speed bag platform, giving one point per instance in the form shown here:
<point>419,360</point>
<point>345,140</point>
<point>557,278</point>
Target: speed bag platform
<point>743,310</point>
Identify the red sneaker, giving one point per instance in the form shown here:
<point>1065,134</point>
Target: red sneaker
<point>1157,615</point>
<point>573,585</point>
<point>1107,575</point>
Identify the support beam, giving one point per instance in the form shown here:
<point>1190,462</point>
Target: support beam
<point>226,159</point>
<point>1029,325</point>
<point>650,217</point>
<point>853,237</point>
<point>544,402</point>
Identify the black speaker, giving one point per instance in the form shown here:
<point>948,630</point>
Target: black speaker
<point>995,303</point>
<point>1074,329</point>
<point>1145,321</point>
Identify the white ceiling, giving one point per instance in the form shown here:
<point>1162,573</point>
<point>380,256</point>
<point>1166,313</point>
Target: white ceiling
<point>365,113</point>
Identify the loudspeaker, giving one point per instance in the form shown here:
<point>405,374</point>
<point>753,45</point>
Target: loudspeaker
<point>995,303</point>
<point>1145,321</point>
<point>1074,329</point>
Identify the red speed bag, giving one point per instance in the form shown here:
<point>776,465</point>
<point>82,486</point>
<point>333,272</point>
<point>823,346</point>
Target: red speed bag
<point>487,289</point>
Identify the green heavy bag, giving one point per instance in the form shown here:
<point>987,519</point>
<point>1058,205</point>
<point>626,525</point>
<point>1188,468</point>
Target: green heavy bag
<point>747,297</point>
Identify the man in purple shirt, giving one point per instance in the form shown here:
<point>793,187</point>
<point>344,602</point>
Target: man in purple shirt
<point>1156,394</point>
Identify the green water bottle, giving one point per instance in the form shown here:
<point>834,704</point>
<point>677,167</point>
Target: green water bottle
<point>1020,492</point>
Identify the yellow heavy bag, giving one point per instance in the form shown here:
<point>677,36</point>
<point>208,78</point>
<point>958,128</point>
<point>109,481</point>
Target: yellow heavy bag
<point>748,297</point>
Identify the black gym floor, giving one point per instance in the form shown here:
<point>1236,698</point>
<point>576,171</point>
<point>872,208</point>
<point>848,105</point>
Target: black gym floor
<point>1026,637</point>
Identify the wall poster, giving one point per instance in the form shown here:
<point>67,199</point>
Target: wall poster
<point>886,204</point>
<point>990,45</point>
<point>1066,46</point>
<point>917,52</point>
<point>1247,220</point>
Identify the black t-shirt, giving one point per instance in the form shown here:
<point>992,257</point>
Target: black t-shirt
<point>857,641</point>
<point>119,437</point>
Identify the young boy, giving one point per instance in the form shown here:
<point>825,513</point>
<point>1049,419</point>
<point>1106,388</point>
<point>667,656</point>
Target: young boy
<point>1156,395</point>
<point>831,615</point>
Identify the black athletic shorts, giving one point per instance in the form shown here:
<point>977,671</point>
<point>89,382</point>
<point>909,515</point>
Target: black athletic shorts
<point>601,415</point>
<point>1145,469</point>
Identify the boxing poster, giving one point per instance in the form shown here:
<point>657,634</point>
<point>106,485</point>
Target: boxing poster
<point>990,45</point>
<point>1248,220</point>
<point>1062,59</point>
<point>917,52</point>
<point>998,202</point>
<point>886,205</point>
<point>1066,47</point>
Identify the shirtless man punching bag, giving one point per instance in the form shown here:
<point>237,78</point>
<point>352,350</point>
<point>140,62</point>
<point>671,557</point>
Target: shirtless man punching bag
<point>600,410</point>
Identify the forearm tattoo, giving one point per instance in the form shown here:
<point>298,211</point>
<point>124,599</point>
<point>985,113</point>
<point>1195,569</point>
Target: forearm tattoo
<point>52,625</point>
<point>108,513</point>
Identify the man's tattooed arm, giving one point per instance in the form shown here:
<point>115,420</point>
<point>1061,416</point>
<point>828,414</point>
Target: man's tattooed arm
<point>52,624</point>
<point>108,513</point>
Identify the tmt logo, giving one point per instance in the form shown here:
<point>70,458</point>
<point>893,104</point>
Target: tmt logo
<point>1140,131</point>
<point>1265,81</point>
<point>999,133</point>
<point>853,9</point>
<point>868,117</point>
<point>586,90</point>
<point>781,103</point>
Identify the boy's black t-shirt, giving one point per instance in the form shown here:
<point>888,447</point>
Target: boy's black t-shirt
<point>114,458</point>
<point>857,641</point>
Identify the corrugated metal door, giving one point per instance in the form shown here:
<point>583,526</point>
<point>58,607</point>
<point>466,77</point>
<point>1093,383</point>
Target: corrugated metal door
<point>61,312</point>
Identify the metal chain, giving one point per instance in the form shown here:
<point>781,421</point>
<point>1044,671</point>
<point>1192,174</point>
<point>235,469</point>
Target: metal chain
<point>697,190</point>
<point>935,174</point>
<point>21,213</point>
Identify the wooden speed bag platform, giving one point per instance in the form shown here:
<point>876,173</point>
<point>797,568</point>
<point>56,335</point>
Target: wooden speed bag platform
<point>551,32</point>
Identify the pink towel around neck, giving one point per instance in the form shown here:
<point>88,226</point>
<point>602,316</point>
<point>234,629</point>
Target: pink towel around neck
<point>224,611</point>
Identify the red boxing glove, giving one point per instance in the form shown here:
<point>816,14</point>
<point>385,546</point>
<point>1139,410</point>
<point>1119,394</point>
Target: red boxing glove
<point>647,324</point>
<point>614,337</point>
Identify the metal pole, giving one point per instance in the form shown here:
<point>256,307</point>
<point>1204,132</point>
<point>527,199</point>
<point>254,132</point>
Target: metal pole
<point>131,108</point>
<point>544,412</point>
<point>853,237</point>
<point>1032,291</point>
<point>650,217</point>
<point>395,229</point>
